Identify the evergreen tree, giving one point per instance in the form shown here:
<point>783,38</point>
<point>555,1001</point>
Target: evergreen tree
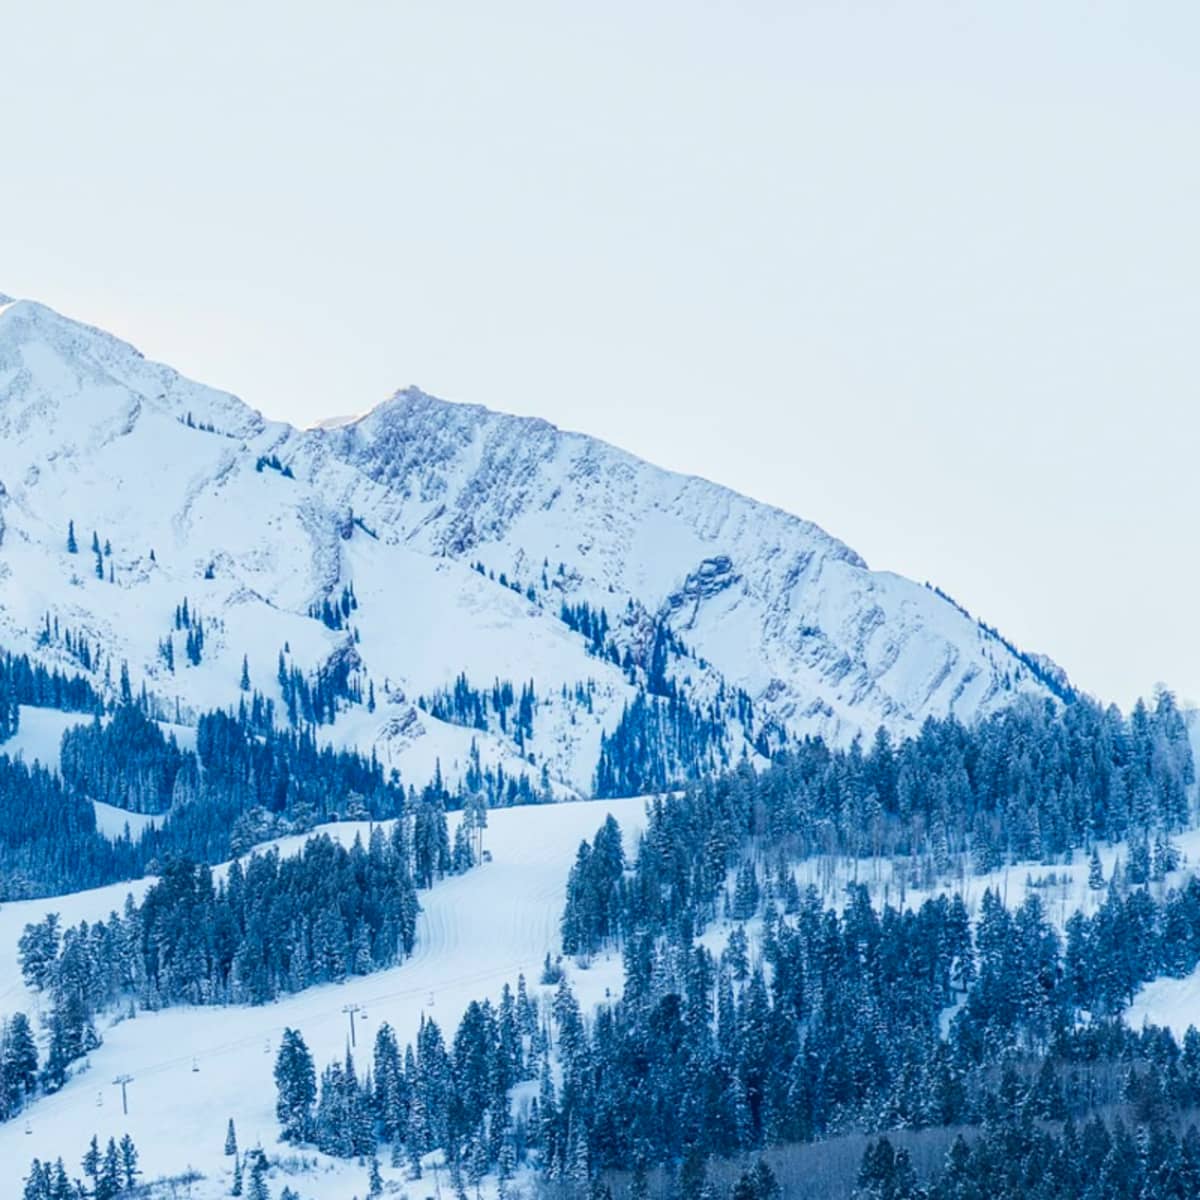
<point>295,1081</point>
<point>129,1163</point>
<point>108,1182</point>
<point>92,1160</point>
<point>257,1189</point>
<point>18,1065</point>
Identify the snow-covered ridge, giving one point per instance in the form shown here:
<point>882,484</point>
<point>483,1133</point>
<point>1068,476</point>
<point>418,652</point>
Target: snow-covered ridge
<point>463,532</point>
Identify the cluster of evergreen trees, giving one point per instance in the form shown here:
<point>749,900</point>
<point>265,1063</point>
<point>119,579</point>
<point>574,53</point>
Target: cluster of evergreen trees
<point>852,1020</point>
<point>246,781</point>
<point>1017,1157</point>
<point>203,426</point>
<point>71,642</point>
<point>335,614</point>
<point>429,1096</point>
<point>499,708</point>
<point>499,787</point>
<point>250,1173</point>
<point>25,682</point>
<point>273,461</point>
<point>107,1174</point>
<point>275,925</point>
<point>127,762</point>
<point>592,624</point>
<point>662,741</point>
<point>592,912</point>
<point>850,1031</point>
<point>316,701</point>
<point>239,765</point>
<point>674,1074</point>
<point>646,661</point>
<point>189,622</point>
<point>1030,782</point>
<point>48,837</point>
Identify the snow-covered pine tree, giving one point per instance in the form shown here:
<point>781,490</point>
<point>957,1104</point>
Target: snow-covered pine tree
<point>256,1188</point>
<point>295,1081</point>
<point>129,1163</point>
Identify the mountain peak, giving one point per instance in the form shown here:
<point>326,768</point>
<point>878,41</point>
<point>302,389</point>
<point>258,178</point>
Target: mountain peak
<point>405,398</point>
<point>261,525</point>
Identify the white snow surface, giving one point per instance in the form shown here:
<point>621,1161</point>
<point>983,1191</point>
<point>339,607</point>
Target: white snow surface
<point>402,503</point>
<point>476,932</point>
<point>39,735</point>
<point>1173,1003</point>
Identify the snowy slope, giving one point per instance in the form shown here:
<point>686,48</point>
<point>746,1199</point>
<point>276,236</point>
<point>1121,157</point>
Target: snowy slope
<point>477,932</point>
<point>403,504</point>
<point>775,603</point>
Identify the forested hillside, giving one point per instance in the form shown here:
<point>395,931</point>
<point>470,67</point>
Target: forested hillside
<point>800,1023</point>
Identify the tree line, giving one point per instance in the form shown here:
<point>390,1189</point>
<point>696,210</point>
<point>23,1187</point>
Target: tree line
<point>26,682</point>
<point>107,1174</point>
<point>274,925</point>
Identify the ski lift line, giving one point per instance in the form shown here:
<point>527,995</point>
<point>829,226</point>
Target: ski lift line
<point>52,1104</point>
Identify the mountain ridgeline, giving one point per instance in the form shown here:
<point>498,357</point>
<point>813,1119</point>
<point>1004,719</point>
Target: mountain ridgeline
<point>165,542</point>
<point>219,630</point>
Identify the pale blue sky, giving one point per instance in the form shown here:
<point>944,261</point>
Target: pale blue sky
<point>924,273</point>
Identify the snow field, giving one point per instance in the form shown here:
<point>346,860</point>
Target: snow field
<point>476,932</point>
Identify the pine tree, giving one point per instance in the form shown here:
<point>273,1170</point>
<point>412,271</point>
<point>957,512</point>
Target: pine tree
<point>129,1163</point>
<point>1095,871</point>
<point>91,1159</point>
<point>18,1065</point>
<point>231,1139</point>
<point>60,1185</point>
<point>257,1187</point>
<point>108,1184</point>
<point>37,1183</point>
<point>245,680</point>
<point>72,544</point>
<point>296,1082</point>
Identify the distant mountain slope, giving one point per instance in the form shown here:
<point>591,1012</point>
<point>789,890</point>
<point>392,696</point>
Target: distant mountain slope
<point>438,552</point>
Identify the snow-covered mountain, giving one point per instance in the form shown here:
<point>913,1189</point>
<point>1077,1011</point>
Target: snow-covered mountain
<point>429,542</point>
